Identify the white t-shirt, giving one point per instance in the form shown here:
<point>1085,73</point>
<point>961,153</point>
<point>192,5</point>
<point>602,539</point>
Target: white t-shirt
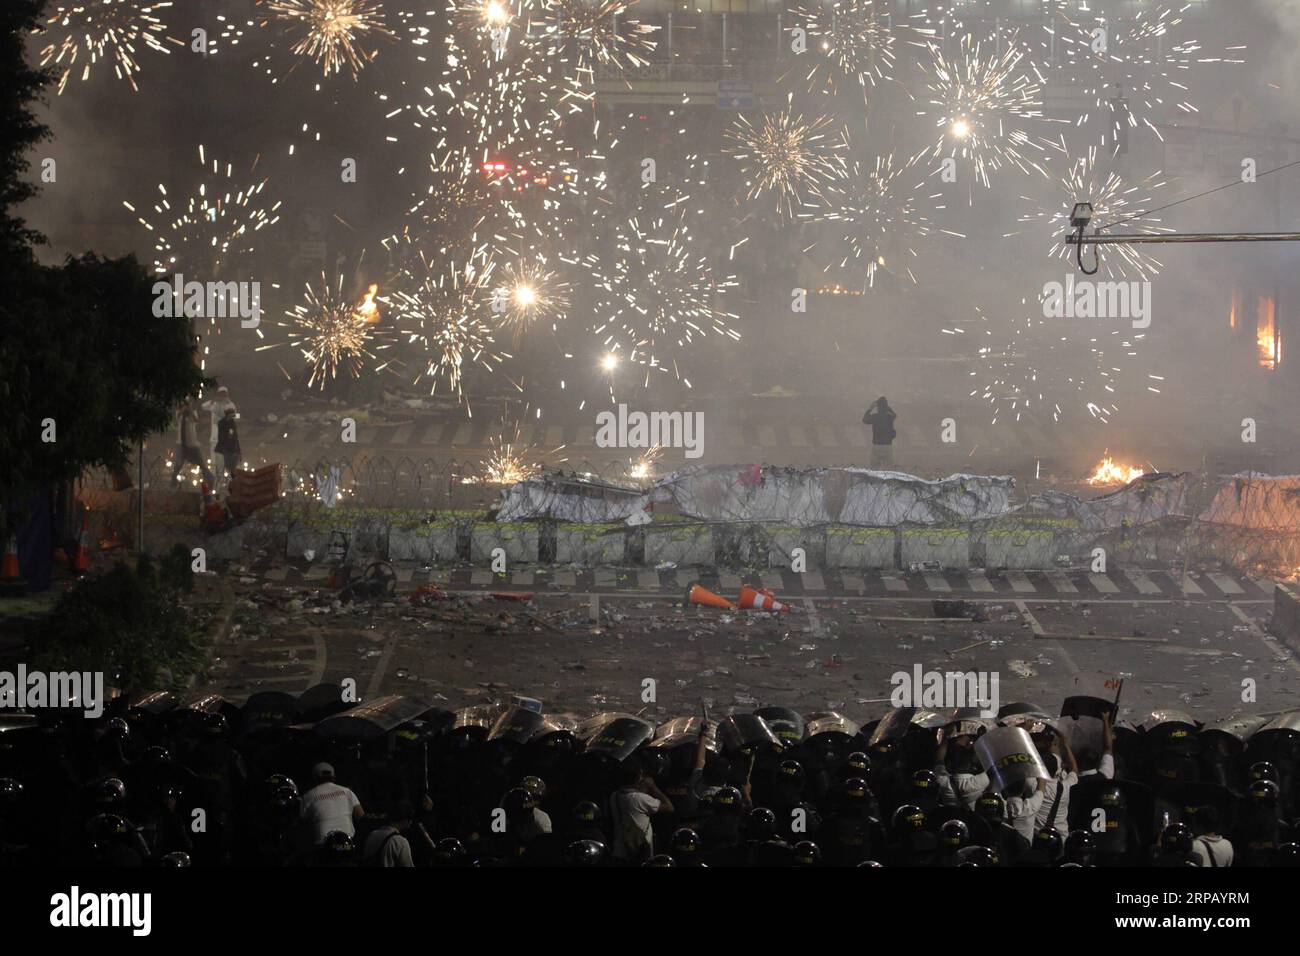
<point>1063,778</point>
<point>631,811</point>
<point>960,789</point>
<point>391,848</point>
<point>328,807</point>
<point>1022,812</point>
<point>1220,847</point>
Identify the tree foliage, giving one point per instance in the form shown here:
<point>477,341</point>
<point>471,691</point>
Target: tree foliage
<point>131,624</point>
<point>79,343</point>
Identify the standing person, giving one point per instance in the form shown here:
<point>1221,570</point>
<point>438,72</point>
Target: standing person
<point>630,808</point>
<point>1060,762</point>
<point>881,419</point>
<point>386,846</point>
<point>1211,848</point>
<point>328,807</point>
<point>216,408</point>
<point>228,442</point>
<point>189,453</point>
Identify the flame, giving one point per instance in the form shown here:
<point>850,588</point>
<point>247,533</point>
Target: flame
<point>1266,335</point>
<point>368,311</point>
<point>1110,473</point>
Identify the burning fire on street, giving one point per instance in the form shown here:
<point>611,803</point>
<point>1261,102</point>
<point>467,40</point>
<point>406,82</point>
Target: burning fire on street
<point>1110,472</point>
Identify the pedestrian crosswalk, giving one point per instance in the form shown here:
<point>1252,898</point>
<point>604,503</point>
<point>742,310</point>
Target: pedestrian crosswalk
<point>1119,584</point>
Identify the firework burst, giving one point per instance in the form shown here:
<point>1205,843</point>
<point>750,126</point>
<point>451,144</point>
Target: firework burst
<point>592,33</point>
<point>215,226</point>
<point>335,334</point>
<point>443,309</point>
<point>655,291</point>
<point>879,214</point>
<point>1113,198</point>
<point>985,106</point>
<point>527,294</point>
<point>1132,70</point>
<point>511,459</point>
<point>786,157</point>
<point>1024,365</point>
<point>849,41</point>
<point>109,30</point>
<point>332,32</point>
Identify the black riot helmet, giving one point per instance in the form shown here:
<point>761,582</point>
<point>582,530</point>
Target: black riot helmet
<point>110,792</point>
<point>791,771</point>
<point>979,856</point>
<point>762,824</point>
<point>338,844</point>
<point>1080,847</point>
<point>1176,838</point>
<point>585,853</point>
<point>660,859</point>
<point>909,818</point>
<point>684,841</point>
<point>727,800</point>
<point>536,786</point>
<point>1264,793</point>
<point>1263,770</point>
<point>992,807</point>
<point>285,803</point>
<point>449,852</point>
<point>954,834</point>
<point>518,801</point>
<point>925,785</point>
<point>856,790</point>
<point>278,780</point>
<point>858,764</point>
<point>1050,841</point>
<point>586,813</point>
<point>175,860</point>
<point>807,853</point>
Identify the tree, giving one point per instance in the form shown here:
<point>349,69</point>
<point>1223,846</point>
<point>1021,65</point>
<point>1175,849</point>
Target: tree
<point>82,356</point>
<point>19,128</point>
<point>96,366</point>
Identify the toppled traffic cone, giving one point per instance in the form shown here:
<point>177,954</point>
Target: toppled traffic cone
<point>426,593</point>
<point>214,512</point>
<point>760,599</point>
<point>81,562</point>
<point>700,595</point>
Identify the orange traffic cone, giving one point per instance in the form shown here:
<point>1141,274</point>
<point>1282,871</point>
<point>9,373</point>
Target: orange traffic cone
<point>699,595</point>
<point>760,599</point>
<point>213,513</point>
<point>81,563</point>
<point>10,570</point>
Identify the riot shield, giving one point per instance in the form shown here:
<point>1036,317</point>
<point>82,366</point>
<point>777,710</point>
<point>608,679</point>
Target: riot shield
<point>1009,757</point>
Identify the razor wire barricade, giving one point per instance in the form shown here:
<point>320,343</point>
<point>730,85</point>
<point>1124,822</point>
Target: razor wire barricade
<point>840,517</point>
